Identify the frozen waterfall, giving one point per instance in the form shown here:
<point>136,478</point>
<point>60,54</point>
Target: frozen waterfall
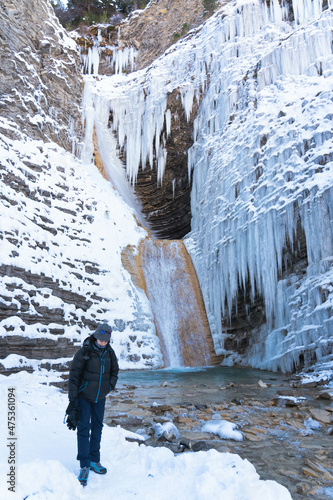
<point>261,164</point>
<point>176,302</point>
<point>262,173</point>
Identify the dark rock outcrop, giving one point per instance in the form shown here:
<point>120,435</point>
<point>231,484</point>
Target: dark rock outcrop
<point>163,23</point>
<point>40,81</point>
<point>166,205</point>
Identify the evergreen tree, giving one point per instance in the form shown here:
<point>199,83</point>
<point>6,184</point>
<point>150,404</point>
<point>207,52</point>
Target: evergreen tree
<point>90,11</point>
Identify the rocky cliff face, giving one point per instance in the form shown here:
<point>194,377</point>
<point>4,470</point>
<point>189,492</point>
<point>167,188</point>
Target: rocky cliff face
<point>243,106</point>
<point>149,32</point>
<point>41,80</point>
<point>60,236</point>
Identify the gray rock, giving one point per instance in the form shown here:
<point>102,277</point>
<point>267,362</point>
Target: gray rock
<point>325,395</point>
<point>52,81</point>
<point>200,446</point>
<point>127,421</point>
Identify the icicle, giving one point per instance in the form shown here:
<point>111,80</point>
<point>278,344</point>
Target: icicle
<point>168,122</point>
<point>187,101</point>
<point>92,61</point>
<point>88,115</point>
<point>123,60</point>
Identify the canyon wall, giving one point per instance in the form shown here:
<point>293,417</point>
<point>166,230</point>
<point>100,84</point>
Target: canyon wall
<point>62,226</point>
<point>225,139</point>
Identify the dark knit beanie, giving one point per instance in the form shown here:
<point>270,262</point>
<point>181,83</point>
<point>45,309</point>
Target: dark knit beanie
<point>103,332</point>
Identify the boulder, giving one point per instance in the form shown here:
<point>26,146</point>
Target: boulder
<point>321,415</point>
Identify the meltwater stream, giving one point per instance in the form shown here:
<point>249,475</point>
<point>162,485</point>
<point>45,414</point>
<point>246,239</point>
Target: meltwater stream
<point>219,375</point>
<point>277,438</point>
<point>203,385</point>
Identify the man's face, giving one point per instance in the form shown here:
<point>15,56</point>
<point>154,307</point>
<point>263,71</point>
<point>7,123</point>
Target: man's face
<point>101,343</point>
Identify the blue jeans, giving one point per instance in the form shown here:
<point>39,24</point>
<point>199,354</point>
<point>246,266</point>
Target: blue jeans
<point>89,431</point>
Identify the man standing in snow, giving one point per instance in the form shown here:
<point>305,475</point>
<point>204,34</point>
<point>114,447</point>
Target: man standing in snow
<point>93,374</point>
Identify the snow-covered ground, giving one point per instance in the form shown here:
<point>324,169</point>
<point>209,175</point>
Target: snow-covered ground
<point>42,452</point>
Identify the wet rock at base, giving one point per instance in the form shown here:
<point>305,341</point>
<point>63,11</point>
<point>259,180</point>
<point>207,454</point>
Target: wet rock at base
<point>303,488</point>
<point>186,443</point>
<point>317,471</point>
<point>180,419</point>
<point>298,425</point>
<point>251,435</point>
<point>200,446</point>
<point>127,421</point>
<point>321,415</point>
<point>160,408</point>
<point>175,447</point>
<point>325,395</point>
<point>134,440</point>
<point>270,433</point>
<point>130,387</point>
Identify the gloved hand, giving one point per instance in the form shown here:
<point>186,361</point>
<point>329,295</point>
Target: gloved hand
<point>70,407</point>
<point>73,415</point>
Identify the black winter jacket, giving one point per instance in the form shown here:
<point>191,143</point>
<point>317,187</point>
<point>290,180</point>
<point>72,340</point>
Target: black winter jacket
<point>93,373</point>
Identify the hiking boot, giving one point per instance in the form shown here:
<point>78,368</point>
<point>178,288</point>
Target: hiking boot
<point>97,467</point>
<point>83,476</point>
